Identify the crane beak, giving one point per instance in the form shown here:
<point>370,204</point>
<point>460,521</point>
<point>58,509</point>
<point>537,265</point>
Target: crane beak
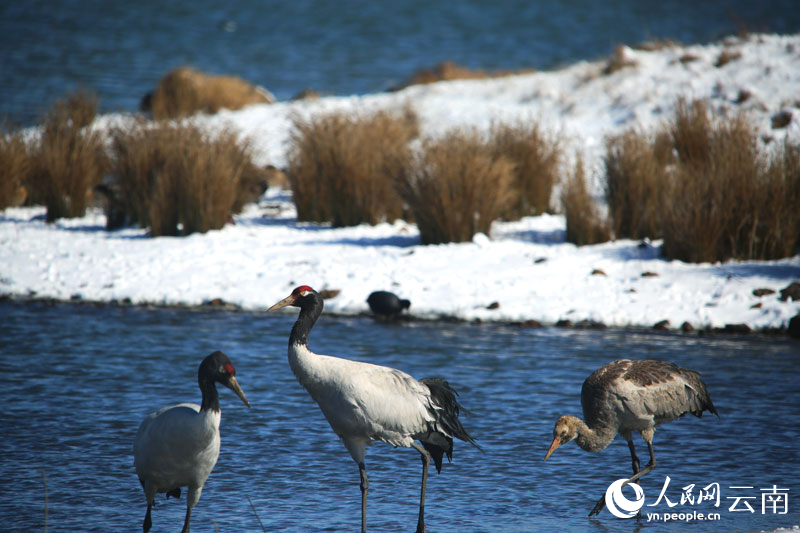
<point>556,443</point>
<point>234,386</point>
<point>289,300</point>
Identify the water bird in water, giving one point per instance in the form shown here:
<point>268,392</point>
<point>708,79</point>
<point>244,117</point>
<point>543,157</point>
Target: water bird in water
<point>387,304</point>
<point>178,446</point>
<point>365,403</point>
<point>626,396</point>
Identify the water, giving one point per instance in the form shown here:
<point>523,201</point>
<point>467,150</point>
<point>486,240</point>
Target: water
<point>121,49</point>
<point>77,380</point>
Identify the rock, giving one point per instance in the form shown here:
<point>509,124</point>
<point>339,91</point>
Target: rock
<point>590,324</point>
<point>791,292</point>
<point>306,94</point>
<point>687,327</point>
<point>661,325</point>
<point>781,119</point>
<point>493,305</point>
<point>531,324</point>
<point>794,326</point>
<point>743,96</point>
<point>736,328</point>
<point>762,292</point>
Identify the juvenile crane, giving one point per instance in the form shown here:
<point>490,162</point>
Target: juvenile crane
<point>626,396</point>
<point>365,403</point>
<point>178,446</point>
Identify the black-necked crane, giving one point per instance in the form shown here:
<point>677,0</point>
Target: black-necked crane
<point>365,403</point>
<point>626,396</point>
<point>178,446</point>
<point>387,304</point>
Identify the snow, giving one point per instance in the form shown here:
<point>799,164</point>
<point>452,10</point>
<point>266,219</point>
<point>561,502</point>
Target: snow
<point>524,266</point>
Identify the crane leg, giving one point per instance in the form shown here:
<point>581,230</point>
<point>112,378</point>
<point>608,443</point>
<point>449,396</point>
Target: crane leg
<point>646,470</point>
<point>148,523</point>
<point>187,520</point>
<point>426,461</point>
<point>634,457</point>
<point>362,470</point>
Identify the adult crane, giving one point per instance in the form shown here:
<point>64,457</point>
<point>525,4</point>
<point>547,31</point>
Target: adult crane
<point>364,402</point>
<point>178,446</point>
<point>626,396</point>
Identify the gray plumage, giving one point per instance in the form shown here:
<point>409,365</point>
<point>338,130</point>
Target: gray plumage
<point>365,403</point>
<point>639,395</point>
<point>626,396</point>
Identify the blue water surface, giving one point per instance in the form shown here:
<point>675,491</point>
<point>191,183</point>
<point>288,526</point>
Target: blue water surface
<point>121,49</point>
<point>76,381</point>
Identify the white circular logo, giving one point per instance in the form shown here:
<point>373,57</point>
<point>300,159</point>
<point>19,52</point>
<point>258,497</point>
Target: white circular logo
<point>619,505</point>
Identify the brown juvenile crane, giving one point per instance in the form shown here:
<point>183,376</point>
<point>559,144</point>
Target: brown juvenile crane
<point>626,396</point>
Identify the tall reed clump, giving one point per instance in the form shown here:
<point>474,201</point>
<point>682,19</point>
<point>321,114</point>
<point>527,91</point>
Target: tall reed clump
<point>172,177</point>
<point>15,165</point>
<point>456,187</point>
<point>69,157</point>
<point>341,166</point>
<point>635,177</point>
<point>536,159</point>
<point>585,223</point>
<point>725,199</point>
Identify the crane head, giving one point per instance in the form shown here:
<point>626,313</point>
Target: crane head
<point>299,292</point>
<point>565,430</point>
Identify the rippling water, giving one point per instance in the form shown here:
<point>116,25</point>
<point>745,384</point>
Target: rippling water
<point>77,380</point>
<point>121,49</point>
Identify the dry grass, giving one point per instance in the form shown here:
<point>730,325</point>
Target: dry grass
<point>69,158</point>
<point>635,177</point>
<point>619,60</point>
<point>448,71</point>
<point>15,166</point>
<point>585,224</point>
<point>170,176</point>
<point>778,221</point>
<point>726,56</point>
<point>457,187</point>
<point>341,167</point>
<point>536,159</point>
<point>185,91</point>
<point>726,199</point>
<point>703,195</point>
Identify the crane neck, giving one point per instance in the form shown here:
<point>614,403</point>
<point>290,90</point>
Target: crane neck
<point>210,395</point>
<point>310,309</point>
<point>596,437</point>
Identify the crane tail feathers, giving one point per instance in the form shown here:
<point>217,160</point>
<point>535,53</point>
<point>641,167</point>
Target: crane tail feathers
<point>437,453</point>
<point>445,399</point>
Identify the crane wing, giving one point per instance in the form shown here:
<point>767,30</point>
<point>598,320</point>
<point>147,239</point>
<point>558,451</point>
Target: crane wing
<point>369,402</point>
<point>644,390</point>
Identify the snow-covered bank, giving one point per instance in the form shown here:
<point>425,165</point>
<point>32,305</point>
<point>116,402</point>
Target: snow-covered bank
<point>525,266</point>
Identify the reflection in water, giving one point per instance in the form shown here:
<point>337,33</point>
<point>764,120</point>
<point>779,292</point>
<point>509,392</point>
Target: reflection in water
<point>77,381</point>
